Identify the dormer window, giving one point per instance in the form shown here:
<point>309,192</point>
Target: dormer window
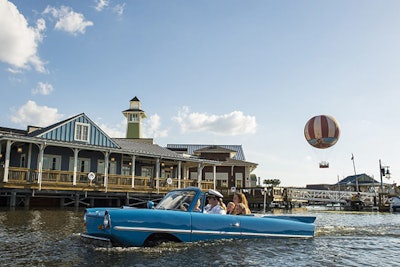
<point>133,117</point>
<point>82,132</point>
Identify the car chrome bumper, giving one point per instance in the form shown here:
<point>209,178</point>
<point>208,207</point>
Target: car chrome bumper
<point>96,240</point>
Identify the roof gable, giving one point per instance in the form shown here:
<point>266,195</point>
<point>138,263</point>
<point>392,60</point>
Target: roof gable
<point>361,179</point>
<point>65,131</point>
<point>215,150</point>
<point>192,149</point>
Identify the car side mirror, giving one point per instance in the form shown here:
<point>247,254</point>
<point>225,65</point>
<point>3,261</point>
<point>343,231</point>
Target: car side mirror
<point>150,204</point>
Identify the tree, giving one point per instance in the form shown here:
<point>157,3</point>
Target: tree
<point>272,182</point>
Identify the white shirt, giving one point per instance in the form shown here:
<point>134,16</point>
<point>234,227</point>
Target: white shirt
<point>217,209</point>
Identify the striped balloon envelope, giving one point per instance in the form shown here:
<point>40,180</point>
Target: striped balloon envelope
<point>322,131</point>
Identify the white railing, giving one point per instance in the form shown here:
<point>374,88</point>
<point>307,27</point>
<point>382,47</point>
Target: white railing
<point>329,196</point>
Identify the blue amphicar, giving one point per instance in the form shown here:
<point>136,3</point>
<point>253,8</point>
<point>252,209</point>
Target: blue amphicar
<point>180,217</point>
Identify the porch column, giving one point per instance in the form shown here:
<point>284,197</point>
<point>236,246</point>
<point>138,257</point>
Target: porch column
<point>158,174</point>
<point>215,176</point>
<point>199,170</point>
<point>40,163</point>
<point>106,162</point>
<point>232,177</point>
<point>179,173</point>
<point>185,174</point>
<point>7,161</point>
<point>133,170</point>
<point>76,151</point>
<point>29,162</point>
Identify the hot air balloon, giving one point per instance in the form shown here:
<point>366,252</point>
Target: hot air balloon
<point>322,132</point>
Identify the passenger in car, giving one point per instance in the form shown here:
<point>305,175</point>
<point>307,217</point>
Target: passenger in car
<point>230,208</point>
<point>215,204</point>
<point>239,197</point>
<point>240,209</point>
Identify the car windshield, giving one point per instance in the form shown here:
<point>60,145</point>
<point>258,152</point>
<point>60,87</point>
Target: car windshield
<point>176,200</point>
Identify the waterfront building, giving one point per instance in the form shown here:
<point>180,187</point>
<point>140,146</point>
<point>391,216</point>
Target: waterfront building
<point>74,162</point>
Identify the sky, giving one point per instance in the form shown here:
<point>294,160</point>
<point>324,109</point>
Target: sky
<point>225,72</point>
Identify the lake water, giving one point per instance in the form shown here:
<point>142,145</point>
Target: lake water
<point>51,238</point>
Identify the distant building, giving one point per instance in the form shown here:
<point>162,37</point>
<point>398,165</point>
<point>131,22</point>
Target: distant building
<point>364,182</point>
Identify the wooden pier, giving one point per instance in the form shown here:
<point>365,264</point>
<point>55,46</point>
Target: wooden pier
<point>56,189</point>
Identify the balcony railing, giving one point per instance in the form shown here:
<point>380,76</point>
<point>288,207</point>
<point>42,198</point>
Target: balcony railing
<point>55,179</point>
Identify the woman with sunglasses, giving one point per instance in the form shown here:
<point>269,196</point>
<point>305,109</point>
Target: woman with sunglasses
<point>215,204</point>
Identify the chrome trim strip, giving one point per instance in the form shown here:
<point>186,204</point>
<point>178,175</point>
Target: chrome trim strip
<point>201,232</point>
<point>243,234</point>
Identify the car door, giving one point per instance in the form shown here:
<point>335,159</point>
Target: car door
<point>214,226</point>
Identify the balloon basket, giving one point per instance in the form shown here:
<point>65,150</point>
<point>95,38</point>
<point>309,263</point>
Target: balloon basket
<point>324,165</point>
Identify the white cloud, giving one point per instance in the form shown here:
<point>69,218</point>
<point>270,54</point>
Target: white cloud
<point>119,9</point>
<point>105,4</point>
<point>234,123</point>
<point>118,131</point>
<point>68,20</point>
<point>32,114</point>
<point>101,4</point>
<point>18,41</point>
<point>43,89</point>
<point>152,127</point>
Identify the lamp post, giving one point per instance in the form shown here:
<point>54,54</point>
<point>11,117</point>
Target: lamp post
<point>383,171</point>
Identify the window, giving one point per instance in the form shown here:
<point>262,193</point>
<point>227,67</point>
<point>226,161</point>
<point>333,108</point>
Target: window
<point>147,172</point>
<point>209,176</point>
<point>222,179</point>
<point>134,105</point>
<point>100,166</point>
<point>193,176</point>
<point>51,162</point>
<point>166,173</point>
<point>239,180</point>
<point>126,169</point>
<point>112,167</point>
<point>133,117</point>
<point>82,132</point>
<point>83,165</point>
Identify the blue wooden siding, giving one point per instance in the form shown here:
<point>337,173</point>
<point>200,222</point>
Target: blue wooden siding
<point>65,132</point>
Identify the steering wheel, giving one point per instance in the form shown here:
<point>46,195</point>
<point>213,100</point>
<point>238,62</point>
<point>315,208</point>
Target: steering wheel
<point>185,205</point>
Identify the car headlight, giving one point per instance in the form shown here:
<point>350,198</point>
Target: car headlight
<point>107,221</point>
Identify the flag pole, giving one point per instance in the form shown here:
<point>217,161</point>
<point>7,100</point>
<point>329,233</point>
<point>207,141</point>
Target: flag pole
<point>355,174</point>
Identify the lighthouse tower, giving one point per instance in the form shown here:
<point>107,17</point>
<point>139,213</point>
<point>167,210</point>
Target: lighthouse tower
<point>134,116</point>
